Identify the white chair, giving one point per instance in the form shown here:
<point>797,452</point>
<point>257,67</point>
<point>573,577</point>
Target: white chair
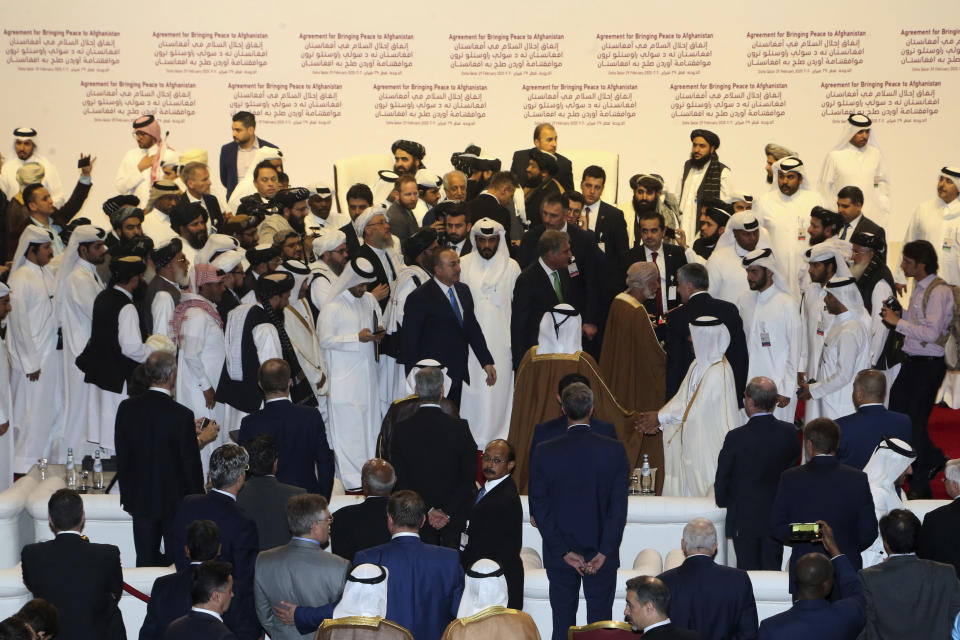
<point>133,609</point>
<point>921,508</point>
<point>16,527</point>
<point>674,559</point>
<point>580,159</point>
<point>771,591</point>
<point>353,169</point>
<point>13,595</point>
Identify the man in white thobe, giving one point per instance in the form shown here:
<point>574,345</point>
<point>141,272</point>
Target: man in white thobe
<point>141,167</point>
<point>824,261</point>
<point>156,219</point>
<point>887,470</point>
<point>37,372</point>
<point>490,273</point>
<point>301,327</point>
<point>198,330</point>
<point>696,420</point>
<point>938,222</point>
<point>846,350</point>
<point>77,287</point>
<point>785,214</point>
<point>771,324</point>
<point>25,150</point>
<point>6,403</point>
<point>857,161</point>
<point>728,279</point>
<point>330,250</point>
<point>349,329</point>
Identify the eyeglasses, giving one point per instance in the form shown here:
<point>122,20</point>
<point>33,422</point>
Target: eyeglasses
<point>487,458</point>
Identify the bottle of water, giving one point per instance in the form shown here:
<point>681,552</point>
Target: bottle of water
<point>71,470</point>
<point>97,471</point>
<point>646,480</point>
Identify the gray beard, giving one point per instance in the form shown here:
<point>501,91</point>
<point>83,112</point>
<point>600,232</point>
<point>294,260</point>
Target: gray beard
<point>857,269</point>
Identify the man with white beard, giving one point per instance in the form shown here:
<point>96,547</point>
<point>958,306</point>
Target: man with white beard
<point>785,214</point>
<point>846,350</point>
<point>198,331</point>
<point>350,331</point>
<point>163,293</point>
<point>330,249</point>
<point>37,373</point>
<point>77,287</point>
<point>378,246</point>
<point>490,273</point>
<point>771,324</point>
<point>938,222</point>
<point>876,285</point>
<point>728,280</point>
<point>857,161</point>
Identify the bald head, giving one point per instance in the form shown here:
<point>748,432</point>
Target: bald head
<point>274,378</point>
<point>870,386</point>
<point>762,395</point>
<point>643,277</point>
<point>814,575</point>
<point>699,536</point>
<point>378,477</point>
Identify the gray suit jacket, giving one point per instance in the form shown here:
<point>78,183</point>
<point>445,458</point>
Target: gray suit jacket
<point>264,498</point>
<point>299,572</point>
<point>910,598</point>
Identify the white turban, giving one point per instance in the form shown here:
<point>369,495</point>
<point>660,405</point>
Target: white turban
<point>364,218</point>
<point>484,587</point>
<point>216,244</point>
<point>365,592</point>
<point>328,240</point>
<point>560,330</point>
<point>228,260</point>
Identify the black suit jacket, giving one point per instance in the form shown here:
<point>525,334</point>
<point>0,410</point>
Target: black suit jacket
<point>534,295</point>
<point>264,498</point>
<point>158,460</point>
<point>380,269</point>
<point>304,458</point>
<point>436,456</point>
<point>495,532</point>
<point>486,205</point>
<point>359,526</point>
<point>212,206</point>
<point>714,600</point>
<point>196,625</point>
<point>588,283</point>
<point>866,225</point>
<point>521,158</point>
<point>431,330</point>
<point>238,546</point>
<point>748,471</point>
<point>673,258</point>
<point>938,537</point>
<point>611,230</point>
<point>228,164</point>
<point>671,632</point>
<point>88,609</point>
<point>352,242</point>
<point>169,600</point>
<point>680,350</point>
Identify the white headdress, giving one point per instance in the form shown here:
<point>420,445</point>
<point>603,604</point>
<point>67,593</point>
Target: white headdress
<point>82,234</point>
<point>486,272</point>
<point>484,587</point>
<point>765,258</point>
<point>560,331</point>
<point>32,234</point>
<point>365,592</point>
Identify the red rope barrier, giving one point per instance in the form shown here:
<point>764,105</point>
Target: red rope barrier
<point>139,595</point>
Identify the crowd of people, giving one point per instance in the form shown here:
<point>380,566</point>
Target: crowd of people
<point>265,345</point>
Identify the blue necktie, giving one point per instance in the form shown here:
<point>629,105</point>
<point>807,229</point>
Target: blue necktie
<point>456,307</point>
<point>480,494</point>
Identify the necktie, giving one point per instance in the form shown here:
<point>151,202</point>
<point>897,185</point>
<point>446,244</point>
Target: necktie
<point>556,286</point>
<point>586,218</point>
<point>393,273</point>
<point>456,307</point>
<point>659,300</point>
<point>480,494</point>
<point>843,234</point>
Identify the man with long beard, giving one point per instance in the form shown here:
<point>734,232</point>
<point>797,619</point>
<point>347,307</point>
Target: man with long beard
<point>648,196</point>
<point>293,208</point>
<point>190,223</point>
<point>704,178</point>
<point>163,292</point>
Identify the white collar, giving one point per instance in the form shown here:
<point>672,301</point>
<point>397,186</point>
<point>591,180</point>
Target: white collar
<point>119,288</point>
<point>543,264</point>
<point>208,612</point>
<point>76,533</point>
<point>445,287</point>
<point>492,484</point>
<point>871,404</point>
<point>658,250</point>
<point>429,404</point>
<point>226,493</point>
<point>405,534</point>
<point>656,624</point>
<point>269,400</point>
<point>161,390</point>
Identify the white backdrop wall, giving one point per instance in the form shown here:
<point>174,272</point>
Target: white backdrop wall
<point>334,79</point>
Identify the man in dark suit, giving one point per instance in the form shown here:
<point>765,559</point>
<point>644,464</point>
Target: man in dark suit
<point>264,497</point>
<point>238,532</point>
<point>812,615</point>
<point>364,525</point>
<point>492,202</point>
<point>304,458</point>
<point>170,595</point>
<point>496,520</point>
<point>245,138</point>
<point>544,139</point>
<point>605,220</point>
<point>158,459</point>
<point>908,597</point>
<point>861,432</point>
<point>211,591</point>
<point>196,177</point>
<point>51,570</point>
<point>668,258</point>
<point>938,537</point>
<point>714,600</point>
<point>692,284</point>
<point>456,228</point>
<point>439,323</point>
<point>648,601</point>
<point>436,456</point>
<point>824,489</point>
<point>359,198</point>
<point>748,471</point>
<point>850,205</point>
<point>578,497</point>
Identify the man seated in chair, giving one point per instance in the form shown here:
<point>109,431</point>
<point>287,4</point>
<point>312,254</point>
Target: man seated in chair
<point>648,601</point>
<point>483,611</point>
<point>360,614</point>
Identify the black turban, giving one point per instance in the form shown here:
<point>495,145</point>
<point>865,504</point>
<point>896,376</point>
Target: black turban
<point>126,267</point>
<point>185,213</point>
<point>261,253</point>
<point>545,161</point>
<point>113,204</point>
<point>162,256</point>
<point>418,243</point>
<point>712,139</point>
<point>273,283</point>
<point>869,240</point>
<point>287,198</point>
<point>413,148</point>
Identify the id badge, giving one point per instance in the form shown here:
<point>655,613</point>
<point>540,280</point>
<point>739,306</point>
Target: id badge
<point>573,269</point>
<point>464,539</point>
<point>947,244</point>
<point>820,328</point>
<point>671,293</point>
<point>764,339</point>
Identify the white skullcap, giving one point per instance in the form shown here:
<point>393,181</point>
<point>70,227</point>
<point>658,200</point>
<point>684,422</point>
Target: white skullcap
<point>228,260</point>
<point>328,240</point>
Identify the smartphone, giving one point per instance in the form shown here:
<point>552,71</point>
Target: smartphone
<point>804,531</point>
<point>204,423</point>
<point>379,332</point>
<point>83,162</point>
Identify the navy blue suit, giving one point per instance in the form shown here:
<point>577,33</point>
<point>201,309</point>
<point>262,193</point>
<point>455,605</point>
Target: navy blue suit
<point>228,164</point>
<point>748,471</point>
<point>431,330</point>
<point>558,426</point>
<point>861,432</point>
<point>578,496</point>
<point>239,546</point>
<point>199,625</point>
<point>304,458</point>
<point>842,619</point>
<point>169,600</point>
<point>824,489</point>
<point>714,600</point>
